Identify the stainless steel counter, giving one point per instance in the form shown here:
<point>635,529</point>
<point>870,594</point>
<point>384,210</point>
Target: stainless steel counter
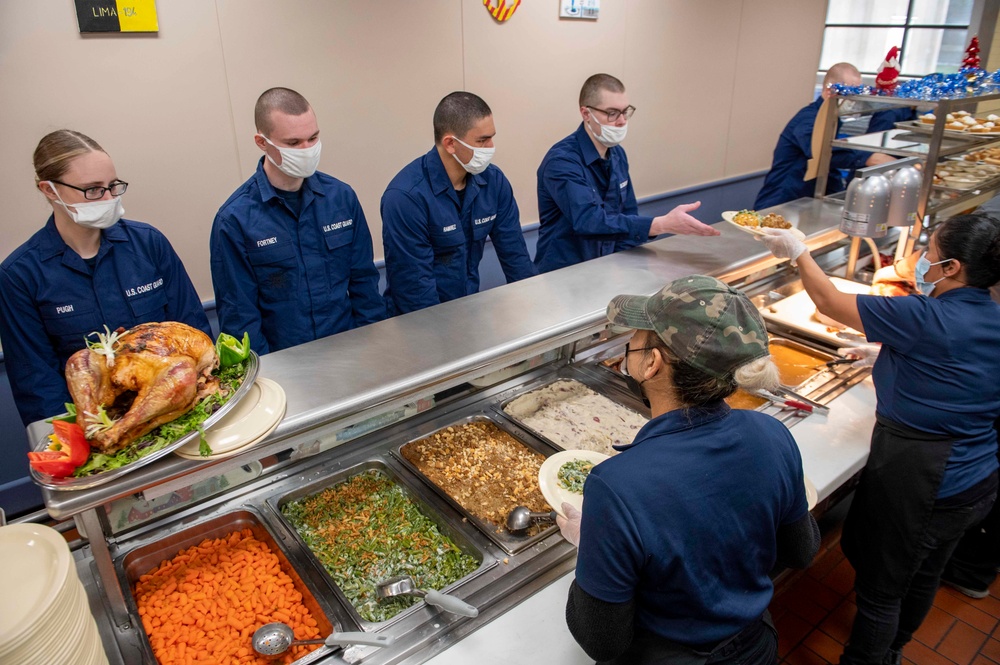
<point>354,376</point>
<point>351,376</point>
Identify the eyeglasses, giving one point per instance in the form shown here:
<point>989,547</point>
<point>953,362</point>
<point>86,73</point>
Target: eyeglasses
<point>116,187</point>
<point>612,114</point>
<point>629,350</point>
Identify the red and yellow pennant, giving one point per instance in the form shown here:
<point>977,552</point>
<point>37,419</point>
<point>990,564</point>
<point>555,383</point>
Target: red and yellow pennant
<point>502,10</point>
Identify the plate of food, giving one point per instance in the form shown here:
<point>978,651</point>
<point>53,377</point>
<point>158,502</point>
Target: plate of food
<point>140,394</point>
<point>561,477</point>
<point>751,221</point>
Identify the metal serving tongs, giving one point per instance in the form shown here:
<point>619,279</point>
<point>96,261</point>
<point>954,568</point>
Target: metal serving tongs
<point>787,398</point>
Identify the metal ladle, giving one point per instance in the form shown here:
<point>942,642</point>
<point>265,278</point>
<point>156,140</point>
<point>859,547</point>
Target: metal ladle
<point>274,639</point>
<point>403,585</point>
<point>521,518</point>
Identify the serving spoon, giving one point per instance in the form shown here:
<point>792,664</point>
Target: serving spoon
<point>274,639</point>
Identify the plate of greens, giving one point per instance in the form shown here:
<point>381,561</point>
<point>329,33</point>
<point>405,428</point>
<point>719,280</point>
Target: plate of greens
<point>562,476</point>
<point>100,468</point>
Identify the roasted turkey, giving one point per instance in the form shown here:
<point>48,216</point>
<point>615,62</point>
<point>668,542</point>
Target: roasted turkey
<point>159,371</point>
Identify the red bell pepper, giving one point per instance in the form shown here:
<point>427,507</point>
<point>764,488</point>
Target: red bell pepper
<point>68,450</point>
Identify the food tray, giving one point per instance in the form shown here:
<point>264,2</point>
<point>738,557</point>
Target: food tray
<point>509,542</point>
<point>87,482</point>
<point>277,502</point>
<point>796,313</point>
<point>925,128</point>
<point>806,373</point>
<point>599,389</point>
<point>141,560</point>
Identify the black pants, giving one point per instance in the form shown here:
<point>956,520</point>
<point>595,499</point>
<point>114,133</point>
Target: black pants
<point>977,557</point>
<point>757,644</point>
<point>885,620</point>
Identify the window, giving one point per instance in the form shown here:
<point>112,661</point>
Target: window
<point>932,34</point>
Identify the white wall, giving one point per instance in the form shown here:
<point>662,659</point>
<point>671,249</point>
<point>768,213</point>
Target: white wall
<point>714,81</point>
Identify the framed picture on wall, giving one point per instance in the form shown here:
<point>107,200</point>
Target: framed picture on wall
<point>117,15</point>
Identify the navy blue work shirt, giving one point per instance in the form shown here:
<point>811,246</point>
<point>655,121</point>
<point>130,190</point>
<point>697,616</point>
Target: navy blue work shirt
<point>938,372</point>
<point>50,299</point>
<point>291,278</point>
<point>434,240</point>
<point>784,182</point>
<point>684,521</point>
<point>586,204</point>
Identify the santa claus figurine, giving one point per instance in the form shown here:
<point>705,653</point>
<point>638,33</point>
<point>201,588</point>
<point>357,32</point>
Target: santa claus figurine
<point>888,72</point>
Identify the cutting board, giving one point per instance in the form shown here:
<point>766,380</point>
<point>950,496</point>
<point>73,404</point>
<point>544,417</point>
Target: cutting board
<point>796,312</point>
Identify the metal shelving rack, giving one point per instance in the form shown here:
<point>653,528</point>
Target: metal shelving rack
<point>927,149</point>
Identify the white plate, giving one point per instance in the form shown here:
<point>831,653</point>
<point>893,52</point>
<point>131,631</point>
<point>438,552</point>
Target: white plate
<point>34,565</point>
<point>548,477</point>
<point>256,416</point>
<point>811,495</point>
<point>730,214</point>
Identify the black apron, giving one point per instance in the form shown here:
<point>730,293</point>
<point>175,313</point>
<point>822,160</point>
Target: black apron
<point>893,505</point>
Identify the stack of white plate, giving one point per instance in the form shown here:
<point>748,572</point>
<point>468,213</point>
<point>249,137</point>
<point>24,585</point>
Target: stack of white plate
<point>44,615</point>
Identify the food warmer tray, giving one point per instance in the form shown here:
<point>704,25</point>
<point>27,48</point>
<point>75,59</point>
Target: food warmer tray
<point>142,557</point>
<point>507,541</point>
<point>599,384</point>
<point>796,312</point>
<point>279,499</point>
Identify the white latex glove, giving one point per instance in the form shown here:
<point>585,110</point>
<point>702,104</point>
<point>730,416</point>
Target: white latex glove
<point>782,243</point>
<point>570,525</point>
<point>865,355</point>
<point>680,222</point>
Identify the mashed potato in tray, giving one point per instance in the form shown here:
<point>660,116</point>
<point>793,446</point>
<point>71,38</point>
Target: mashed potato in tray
<point>574,417</point>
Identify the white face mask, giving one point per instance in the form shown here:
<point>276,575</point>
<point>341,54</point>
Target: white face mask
<point>481,158</point>
<point>92,214</point>
<point>611,135</point>
<point>297,162</point>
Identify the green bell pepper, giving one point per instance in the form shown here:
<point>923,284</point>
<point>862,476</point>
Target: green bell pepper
<point>231,350</point>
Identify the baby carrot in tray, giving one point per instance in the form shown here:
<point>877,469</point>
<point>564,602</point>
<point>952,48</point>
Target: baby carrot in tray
<point>203,605</point>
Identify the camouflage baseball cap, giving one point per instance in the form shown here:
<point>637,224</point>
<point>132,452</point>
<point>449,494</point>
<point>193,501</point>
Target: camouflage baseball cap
<point>702,320</point>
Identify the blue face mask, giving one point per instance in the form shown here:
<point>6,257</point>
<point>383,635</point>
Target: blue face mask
<point>920,271</point>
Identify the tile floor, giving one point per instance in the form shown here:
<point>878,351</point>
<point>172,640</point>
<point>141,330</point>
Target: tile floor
<point>813,611</point>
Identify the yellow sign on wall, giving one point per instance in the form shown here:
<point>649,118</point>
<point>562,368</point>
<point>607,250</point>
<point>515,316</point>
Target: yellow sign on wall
<point>117,15</point>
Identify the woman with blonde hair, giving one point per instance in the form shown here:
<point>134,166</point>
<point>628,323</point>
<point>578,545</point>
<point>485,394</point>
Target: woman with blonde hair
<point>85,269</point>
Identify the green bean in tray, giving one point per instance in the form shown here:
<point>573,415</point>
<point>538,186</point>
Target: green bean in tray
<point>366,529</point>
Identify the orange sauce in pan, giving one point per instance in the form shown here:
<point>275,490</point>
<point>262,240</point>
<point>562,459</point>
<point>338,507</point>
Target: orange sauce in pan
<point>795,365</point>
<point>741,399</point>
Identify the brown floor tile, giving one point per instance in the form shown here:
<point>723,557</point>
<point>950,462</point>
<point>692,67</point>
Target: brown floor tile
<point>838,624</point>
<point>989,604</point>
<point>961,606</point>
<point>841,578</point>
<point>824,563</point>
<point>804,608</point>
<point>907,661</point>
<point>804,656</point>
<point>991,649</point>
<point>827,647</point>
<point>935,626</point>
<point>791,630</point>
<point>922,655</point>
<point>982,660</point>
<point>962,643</point>
<point>819,593</point>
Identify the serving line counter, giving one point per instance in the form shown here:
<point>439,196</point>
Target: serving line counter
<point>347,396</point>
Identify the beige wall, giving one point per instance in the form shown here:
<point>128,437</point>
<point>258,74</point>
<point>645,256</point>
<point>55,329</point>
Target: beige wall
<point>175,110</point>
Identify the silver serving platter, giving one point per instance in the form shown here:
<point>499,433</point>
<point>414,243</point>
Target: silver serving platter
<point>70,483</point>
